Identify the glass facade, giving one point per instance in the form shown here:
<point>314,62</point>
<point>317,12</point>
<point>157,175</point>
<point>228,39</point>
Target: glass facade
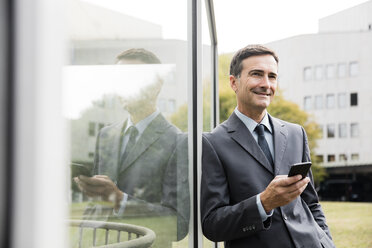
<point>127,83</point>
<point>126,97</point>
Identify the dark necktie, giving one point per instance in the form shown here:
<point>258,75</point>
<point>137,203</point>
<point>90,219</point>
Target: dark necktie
<point>260,129</point>
<point>132,133</point>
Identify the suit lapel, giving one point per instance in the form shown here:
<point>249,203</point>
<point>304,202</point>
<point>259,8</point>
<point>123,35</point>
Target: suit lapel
<point>240,133</point>
<point>152,133</point>
<point>280,141</point>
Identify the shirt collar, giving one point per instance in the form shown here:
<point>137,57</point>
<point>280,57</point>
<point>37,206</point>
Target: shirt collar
<point>142,125</point>
<point>251,124</point>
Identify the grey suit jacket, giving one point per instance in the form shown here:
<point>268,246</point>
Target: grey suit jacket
<point>154,174</point>
<point>235,170</point>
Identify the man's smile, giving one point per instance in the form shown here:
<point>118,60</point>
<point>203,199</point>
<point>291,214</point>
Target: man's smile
<point>261,93</point>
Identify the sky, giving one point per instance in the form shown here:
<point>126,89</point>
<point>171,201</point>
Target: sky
<point>239,22</point>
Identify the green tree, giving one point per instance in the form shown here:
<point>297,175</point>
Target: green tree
<point>227,96</point>
<point>280,108</point>
<point>291,112</point>
<point>180,117</point>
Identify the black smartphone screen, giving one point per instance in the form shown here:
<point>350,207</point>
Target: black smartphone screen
<point>79,169</point>
<point>300,169</point>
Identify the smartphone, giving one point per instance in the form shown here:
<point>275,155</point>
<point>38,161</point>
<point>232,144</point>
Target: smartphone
<point>79,169</point>
<point>300,169</point>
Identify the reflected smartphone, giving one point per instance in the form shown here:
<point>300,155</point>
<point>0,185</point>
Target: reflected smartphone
<point>79,169</point>
<point>300,169</point>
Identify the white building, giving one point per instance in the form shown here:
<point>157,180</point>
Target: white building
<point>329,75</point>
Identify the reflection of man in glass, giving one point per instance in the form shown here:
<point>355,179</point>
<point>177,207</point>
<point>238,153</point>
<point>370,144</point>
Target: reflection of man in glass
<point>141,163</point>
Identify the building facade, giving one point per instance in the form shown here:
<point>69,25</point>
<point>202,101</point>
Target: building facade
<point>328,74</point>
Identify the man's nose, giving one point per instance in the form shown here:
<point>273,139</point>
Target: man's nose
<point>265,82</point>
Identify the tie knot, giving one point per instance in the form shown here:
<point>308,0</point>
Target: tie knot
<point>260,129</point>
<point>132,131</point>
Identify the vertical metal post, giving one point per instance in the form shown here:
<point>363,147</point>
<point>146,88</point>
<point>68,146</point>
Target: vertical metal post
<point>7,120</point>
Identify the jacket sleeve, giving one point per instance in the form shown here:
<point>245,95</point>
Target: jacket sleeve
<point>222,221</point>
<point>310,195</point>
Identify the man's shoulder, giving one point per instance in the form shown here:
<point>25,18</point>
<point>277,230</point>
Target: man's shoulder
<point>289,125</point>
<point>218,133</point>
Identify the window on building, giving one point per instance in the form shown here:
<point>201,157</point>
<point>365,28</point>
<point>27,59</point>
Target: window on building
<point>331,158</point>
<point>341,70</point>
<point>355,157</point>
<point>330,101</point>
<point>354,99</point>
<point>354,69</point>
<point>342,157</point>
<point>320,128</point>
<point>354,130</point>
<point>320,158</point>
<point>330,130</point>
<point>318,72</point>
<point>162,104</point>
<point>318,102</point>
<point>307,73</point>
<point>307,102</point>
<point>342,100</point>
<point>330,71</point>
<point>171,105</point>
<point>100,126</point>
<point>91,155</point>
<point>92,129</point>
<point>342,130</point>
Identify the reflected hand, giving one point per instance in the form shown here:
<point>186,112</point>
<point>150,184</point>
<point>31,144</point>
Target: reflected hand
<point>282,190</point>
<point>100,185</point>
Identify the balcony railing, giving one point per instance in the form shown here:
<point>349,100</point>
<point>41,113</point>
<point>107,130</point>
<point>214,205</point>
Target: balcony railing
<point>137,236</point>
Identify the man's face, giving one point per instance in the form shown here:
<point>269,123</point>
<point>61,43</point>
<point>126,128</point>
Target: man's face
<point>255,88</point>
<point>146,97</point>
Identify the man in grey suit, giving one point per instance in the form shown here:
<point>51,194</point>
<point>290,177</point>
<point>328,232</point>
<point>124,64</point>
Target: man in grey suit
<point>247,199</point>
<point>141,162</point>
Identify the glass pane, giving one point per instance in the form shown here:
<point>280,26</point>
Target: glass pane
<point>341,70</point>
<point>354,130</point>
<point>331,158</point>
<point>307,103</point>
<point>330,71</point>
<point>207,72</point>
<point>330,101</point>
<point>307,73</point>
<point>342,157</point>
<point>355,156</point>
<point>354,99</point>
<point>319,102</point>
<point>342,130</point>
<point>125,99</point>
<point>342,100</point>
<point>354,69</point>
<point>331,130</point>
<point>318,72</point>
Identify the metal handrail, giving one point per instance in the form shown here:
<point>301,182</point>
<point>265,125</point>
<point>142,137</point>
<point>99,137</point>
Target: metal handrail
<point>144,236</point>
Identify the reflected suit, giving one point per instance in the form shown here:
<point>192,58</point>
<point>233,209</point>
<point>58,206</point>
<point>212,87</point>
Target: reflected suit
<point>155,172</point>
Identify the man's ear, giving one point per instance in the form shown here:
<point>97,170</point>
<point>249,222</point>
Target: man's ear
<point>233,83</point>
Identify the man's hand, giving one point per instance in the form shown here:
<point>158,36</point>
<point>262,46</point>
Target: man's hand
<point>282,190</point>
<point>100,185</point>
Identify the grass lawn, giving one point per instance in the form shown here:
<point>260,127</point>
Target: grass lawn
<point>350,223</point>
